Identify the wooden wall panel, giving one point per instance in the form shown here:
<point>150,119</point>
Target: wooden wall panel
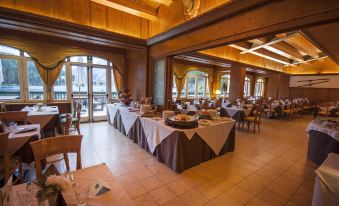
<point>136,74</point>
<point>315,95</point>
<point>237,83</point>
<point>85,13</point>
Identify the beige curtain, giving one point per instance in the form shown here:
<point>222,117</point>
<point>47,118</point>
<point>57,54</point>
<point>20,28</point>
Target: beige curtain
<point>49,57</point>
<point>180,84</point>
<point>49,76</point>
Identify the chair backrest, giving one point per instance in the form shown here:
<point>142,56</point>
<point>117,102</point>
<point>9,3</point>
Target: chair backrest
<point>3,107</point>
<point>56,145</point>
<point>4,153</point>
<point>19,117</point>
<point>77,112</point>
<point>67,124</point>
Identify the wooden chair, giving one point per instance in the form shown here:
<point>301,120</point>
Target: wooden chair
<point>8,165</point>
<point>56,145</point>
<point>67,125</point>
<point>3,107</point>
<point>19,117</point>
<point>76,117</point>
<point>254,120</point>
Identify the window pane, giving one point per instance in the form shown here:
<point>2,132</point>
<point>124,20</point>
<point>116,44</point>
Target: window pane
<point>183,91</point>
<point>191,86</point>
<point>60,86</point>
<point>35,83</point>
<point>247,87</point>
<point>114,89</point>
<point>100,61</point>
<point>9,51</point>
<point>9,79</point>
<point>99,81</point>
<point>174,88</point>
<point>26,54</point>
<point>79,80</point>
<point>201,86</point>
<point>81,59</point>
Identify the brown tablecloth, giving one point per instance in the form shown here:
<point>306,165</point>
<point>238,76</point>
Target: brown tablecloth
<point>320,145</point>
<point>176,151</point>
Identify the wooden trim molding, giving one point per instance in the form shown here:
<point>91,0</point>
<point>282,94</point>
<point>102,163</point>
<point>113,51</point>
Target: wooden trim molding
<point>20,21</point>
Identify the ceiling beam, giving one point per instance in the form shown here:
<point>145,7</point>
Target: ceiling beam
<point>273,41</point>
<point>305,61</point>
<point>129,8</point>
<point>164,2</point>
<point>236,46</point>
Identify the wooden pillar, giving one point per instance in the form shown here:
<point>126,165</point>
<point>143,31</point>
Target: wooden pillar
<point>168,83</point>
<point>238,75</point>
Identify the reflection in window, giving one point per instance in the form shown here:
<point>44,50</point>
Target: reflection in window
<point>174,88</point>
<point>60,86</point>
<point>247,87</point>
<point>9,79</point>
<point>191,86</point>
<point>225,85</point>
<point>197,85</point>
<point>5,50</point>
<point>79,80</point>
<point>201,84</point>
<point>35,83</point>
<point>259,88</point>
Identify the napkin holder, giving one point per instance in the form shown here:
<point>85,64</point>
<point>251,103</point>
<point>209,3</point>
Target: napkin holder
<point>99,187</point>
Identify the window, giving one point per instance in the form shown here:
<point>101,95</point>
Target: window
<point>100,61</point>
<point>196,85</point>
<point>247,87</point>
<point>174,88</point>
<point>9,79</point>
<point>60,86</point>
<point>35,83</point>
<point>5,50</point>
<point>113,86</point>
<point>225,85</point>
<point>259,88</point>
<point>79,59</point>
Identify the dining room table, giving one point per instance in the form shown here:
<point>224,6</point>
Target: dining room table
<point>19,141</point>
<point>83,179</point>
<point>47,117</point>
<point>177,148</point>
<point>323,138</point>
<point>238,113</point>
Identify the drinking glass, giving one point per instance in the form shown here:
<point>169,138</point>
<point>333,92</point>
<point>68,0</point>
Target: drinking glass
<point>12,127</point>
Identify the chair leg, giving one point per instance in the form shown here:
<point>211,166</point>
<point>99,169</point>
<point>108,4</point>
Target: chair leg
<point>254,127</point>
<point>21,174</point>
<point>248,127</point>
<point>259,127</point>
<point>67,162</point>
<point>77,126</point>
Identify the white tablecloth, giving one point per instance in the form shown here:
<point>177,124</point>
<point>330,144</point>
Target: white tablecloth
<point>233,110</point>
<point>321,128</point>
<point>41,117</point>
<point>215,135</point>
<point>128,118</point>
<point>326,188</point>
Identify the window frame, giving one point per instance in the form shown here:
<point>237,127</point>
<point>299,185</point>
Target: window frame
<point>185,89</point>
<point>247,87</point>
<point>228,78</point>
<point>260,82</point>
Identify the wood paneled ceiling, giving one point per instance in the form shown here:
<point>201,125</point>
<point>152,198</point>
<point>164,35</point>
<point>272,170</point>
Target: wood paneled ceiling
<point>278,52</point>
<point>147,9</point>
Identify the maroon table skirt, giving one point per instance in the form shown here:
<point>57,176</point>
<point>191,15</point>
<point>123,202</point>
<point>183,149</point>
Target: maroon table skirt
<point>176,151</point>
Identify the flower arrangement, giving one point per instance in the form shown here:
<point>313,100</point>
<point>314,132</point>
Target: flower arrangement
<point>50,186</point>
<point>125,96</point>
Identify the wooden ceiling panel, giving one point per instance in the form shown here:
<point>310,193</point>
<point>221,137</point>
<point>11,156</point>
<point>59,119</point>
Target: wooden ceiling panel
<point>325,37</point>
<point>304,46</point>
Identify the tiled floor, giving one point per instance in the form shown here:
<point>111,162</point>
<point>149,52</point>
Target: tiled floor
<point>269,168</point>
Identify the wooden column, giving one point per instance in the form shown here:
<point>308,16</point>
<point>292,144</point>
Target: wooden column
<point>168,83</point>
<point>238,75</point>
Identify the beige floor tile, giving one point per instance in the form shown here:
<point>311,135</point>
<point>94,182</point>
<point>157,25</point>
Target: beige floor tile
<point>251,186</point>
<point>144,200</point>
<point>162,194</point>
<point>168,177</point>
<point>151,183</point>
<point>135,190</point>
<point>225,199</point>
<point>194,198</point>
<point>209,190</point>
<point>272,198</point>
<point>240,194</point>
<point>142,174</point>
<point>178,201</point>
<point>258,202</point>
<point>301,199</point>
<point>126,180</point>
<point>179,186</point>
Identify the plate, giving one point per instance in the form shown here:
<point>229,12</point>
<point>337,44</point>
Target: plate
<point>189,119</point>
<point>204,122</point>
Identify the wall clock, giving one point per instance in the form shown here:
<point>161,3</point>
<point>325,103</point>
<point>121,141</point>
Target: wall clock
<point>191,8</point>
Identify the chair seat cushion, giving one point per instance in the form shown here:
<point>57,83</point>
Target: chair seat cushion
<point>63,120</point>
<point>63,115</point>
